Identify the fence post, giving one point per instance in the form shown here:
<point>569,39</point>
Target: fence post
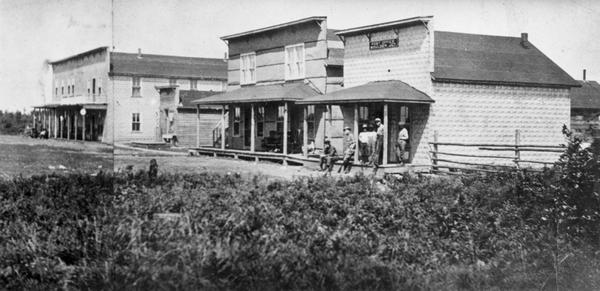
<point>517,151</point>
<point>435,150</point>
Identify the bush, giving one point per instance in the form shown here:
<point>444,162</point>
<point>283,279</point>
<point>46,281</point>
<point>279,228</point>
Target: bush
<point>500,231</point>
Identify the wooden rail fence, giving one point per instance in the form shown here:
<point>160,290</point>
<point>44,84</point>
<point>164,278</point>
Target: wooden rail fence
<point>515,149</point>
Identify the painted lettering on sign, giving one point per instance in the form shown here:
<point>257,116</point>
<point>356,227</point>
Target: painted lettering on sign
<point>383,44</point>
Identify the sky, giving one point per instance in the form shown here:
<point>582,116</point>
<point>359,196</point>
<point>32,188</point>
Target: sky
<point>33,31</point>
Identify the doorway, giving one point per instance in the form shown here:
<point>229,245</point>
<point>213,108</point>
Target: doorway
<point>247,115</point>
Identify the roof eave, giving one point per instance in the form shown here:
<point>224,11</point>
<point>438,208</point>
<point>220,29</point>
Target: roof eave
<point>503,83</point>
<point>384,25</point>
<point>366,100</point>
<point>245,101</point>
<point>111,74</point>
<point>274,27</point>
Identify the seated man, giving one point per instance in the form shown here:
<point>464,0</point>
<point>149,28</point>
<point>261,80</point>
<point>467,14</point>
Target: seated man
<point>328,157</point>
<point>347,160</point>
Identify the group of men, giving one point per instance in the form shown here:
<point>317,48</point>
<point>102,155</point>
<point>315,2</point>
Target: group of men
<point>370,148</point>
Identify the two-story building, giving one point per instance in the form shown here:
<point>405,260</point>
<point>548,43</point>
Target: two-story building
<point>112,96</point>
<point>269,69</point>
<point>585,110</point>
<point>469,88</point>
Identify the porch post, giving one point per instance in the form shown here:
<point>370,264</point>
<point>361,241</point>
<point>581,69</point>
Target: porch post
<point>252,129</point>
<point>68,113</point>
<point>356,151</point>
<point>61,124</point>
<point>43,118</point>
<point>83,128</point>
<point>305,130</point>
<point>385,134</point>
<point>75,125</point>
<point>47,121</point>
<point>285,128</point>
<point>33,116</point>
<point>223,138</point>
<point>197,125</point>
<point>55,123</point>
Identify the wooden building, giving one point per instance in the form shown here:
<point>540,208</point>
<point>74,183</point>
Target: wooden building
<point>585,110</point>
<point>468,88</point>
<point>184,122</point>
<point>111,96</point>
<point>268,70</point>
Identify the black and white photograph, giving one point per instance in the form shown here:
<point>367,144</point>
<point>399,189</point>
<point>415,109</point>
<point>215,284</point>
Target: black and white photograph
<point>299,145</point>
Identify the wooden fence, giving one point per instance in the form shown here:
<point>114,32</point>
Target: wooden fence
<point>453,164</point>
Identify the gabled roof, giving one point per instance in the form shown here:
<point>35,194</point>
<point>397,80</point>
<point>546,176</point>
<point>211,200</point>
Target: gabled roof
<point>262,93</point>
<point>378,91</point>
<point>187,96</point>
<point>587,96</point>
<point>274,27</point>
<point>92,51</point>
<point>487,59</point>
<point>149,65</point>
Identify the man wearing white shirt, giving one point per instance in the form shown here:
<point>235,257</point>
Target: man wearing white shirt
<point>401,142</point>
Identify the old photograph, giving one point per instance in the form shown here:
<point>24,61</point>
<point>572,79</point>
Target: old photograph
<point>299,145</point>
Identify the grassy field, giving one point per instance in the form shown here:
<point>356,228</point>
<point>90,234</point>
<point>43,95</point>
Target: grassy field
<point>26,156</point>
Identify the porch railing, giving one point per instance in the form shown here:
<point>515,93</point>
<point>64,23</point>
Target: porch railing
<point>453,161</point>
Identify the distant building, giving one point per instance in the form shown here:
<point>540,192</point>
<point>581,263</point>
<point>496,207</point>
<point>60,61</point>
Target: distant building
<point>268,70</point>
<point>585,110</point>
<point>99,95</point>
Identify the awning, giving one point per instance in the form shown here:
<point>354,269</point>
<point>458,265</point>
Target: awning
<point>88,106</point>
<point>262,93</point>
<point>393,91</point>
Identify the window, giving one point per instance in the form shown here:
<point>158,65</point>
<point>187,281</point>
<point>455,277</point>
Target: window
<point>99,90</point>
<point>69,90</point>
<point>294,62</point>
<point>260,120</point>
<point>94,86</point>
<point>136,87</point>
<point>280,114</point>
<point>62,90</point>
<point>193,84</point>
<point>56,91</point>
<point>236,120</point>
<point>172,81</point>
<point>88,87</point>
<point>135,122</point>
<point>310,120</point>
<point>247,68</point>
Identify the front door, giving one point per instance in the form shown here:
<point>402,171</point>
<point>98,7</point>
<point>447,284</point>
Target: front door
<point>247,124</point>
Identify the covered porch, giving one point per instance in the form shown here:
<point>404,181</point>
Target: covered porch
<point>83,122</point>
<point>261,118</point>
<point>394,102</point>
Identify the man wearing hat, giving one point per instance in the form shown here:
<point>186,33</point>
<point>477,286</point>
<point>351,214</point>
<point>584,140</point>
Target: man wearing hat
<point>349,149</point>
<point>378,143</point>
<point>364,143</point>
<point>328,157</point>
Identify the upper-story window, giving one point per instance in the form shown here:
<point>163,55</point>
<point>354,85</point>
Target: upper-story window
<point>136,86</point>
<point>94,86</point>
<point>56,91</point>
<point>248,68</point>
<point>294,61</point>
<point>89,90</point>
<point>193,84</point>
<point>68,89</point>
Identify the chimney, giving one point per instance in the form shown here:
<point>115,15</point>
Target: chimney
<point>584,74</point>
<point>139,56</point>
<point>524,40</point>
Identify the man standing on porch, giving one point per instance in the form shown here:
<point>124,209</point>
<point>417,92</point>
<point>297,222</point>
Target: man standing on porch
<point>378,144</point>
<point>401,142</point>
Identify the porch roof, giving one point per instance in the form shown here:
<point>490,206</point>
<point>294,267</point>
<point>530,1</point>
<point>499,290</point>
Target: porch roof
<point>91,106</point>
<point>391,91</point>
<point>261,93</point>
